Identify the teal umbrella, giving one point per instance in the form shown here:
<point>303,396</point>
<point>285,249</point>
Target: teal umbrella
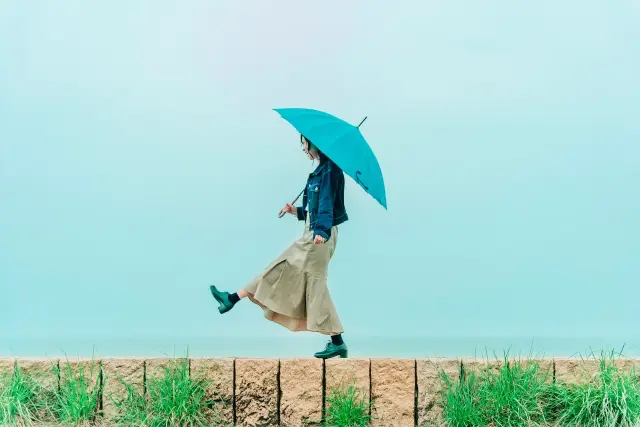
<point>343,144</point>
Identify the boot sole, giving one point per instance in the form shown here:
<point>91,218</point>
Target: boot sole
<point>341,355</point>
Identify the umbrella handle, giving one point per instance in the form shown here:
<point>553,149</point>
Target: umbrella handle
<point>282,212</point>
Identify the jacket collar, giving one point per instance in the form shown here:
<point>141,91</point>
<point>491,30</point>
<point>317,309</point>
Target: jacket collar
<point>320,169</point>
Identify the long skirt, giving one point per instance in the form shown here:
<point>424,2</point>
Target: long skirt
<point>292,290</point>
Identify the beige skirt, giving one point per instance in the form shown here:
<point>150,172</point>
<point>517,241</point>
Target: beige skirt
<point>292,290</point>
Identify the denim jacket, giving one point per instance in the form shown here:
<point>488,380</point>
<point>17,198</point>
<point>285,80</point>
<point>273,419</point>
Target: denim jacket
<point>324,197</point>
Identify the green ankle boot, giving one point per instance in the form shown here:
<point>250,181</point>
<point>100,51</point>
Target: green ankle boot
<point>222,298</point>
<point>332,350</point>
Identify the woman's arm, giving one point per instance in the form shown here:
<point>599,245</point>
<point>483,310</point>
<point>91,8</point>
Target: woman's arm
<point>324,221</point>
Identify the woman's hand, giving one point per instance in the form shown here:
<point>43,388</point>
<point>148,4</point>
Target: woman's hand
<point>290,209</point>
<point>318,240</point>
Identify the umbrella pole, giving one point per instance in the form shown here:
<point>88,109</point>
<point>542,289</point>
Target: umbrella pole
<point>365,118</point>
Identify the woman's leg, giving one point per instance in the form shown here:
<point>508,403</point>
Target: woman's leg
<point>337,339</point>
<point>236,297</point>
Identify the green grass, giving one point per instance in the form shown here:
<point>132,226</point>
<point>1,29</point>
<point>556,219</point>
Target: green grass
<point>174,399</point>
<point>520,393</point>
<point>511,395</point>
<point>76,402</point>
<point>22,400</point>
<point>132,411</point>
<point>347,407</point>
<point>610,398</point>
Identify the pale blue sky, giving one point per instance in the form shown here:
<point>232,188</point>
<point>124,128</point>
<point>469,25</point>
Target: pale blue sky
<point>140,162</point>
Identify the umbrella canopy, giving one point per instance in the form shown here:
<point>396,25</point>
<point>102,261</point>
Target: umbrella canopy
<point>343,144</point>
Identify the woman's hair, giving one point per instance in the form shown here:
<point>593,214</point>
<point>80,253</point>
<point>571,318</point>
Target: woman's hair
<point>323,156</point>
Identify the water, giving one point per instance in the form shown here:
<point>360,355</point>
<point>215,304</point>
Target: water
<point>303,345</point>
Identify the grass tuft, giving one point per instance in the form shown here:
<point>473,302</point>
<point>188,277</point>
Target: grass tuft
<point>511,395</point>
<point>76,402</point>
<point>174,399</point>
<point>22,400</point>
<point>132,411</point>
<point>610,398</point>
<point>347,407</point>
<point>519,394</point>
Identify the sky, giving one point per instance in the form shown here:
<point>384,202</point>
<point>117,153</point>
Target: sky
<point>141,161</point>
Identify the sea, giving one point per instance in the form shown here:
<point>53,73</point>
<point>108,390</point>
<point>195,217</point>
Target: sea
<point>304,345</point>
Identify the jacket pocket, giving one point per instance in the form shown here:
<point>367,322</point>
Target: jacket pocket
<point>282,274</point>
<point>276,273</point>
<point>285,290</point>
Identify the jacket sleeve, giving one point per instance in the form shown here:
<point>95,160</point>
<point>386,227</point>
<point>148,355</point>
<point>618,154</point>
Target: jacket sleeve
<point>326,200</point>
<point>301,213</point>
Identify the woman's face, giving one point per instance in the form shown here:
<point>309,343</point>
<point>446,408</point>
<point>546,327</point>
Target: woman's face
<point>310,150</point>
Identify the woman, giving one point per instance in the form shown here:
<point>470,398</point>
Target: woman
<point>292,291</point>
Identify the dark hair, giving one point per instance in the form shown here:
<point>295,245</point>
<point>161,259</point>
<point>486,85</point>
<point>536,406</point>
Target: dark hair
<point>323,157</point>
